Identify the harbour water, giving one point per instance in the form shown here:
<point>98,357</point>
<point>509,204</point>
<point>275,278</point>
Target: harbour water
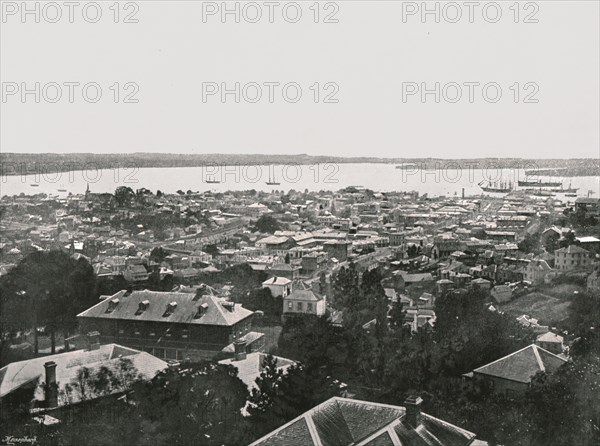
<point>445,180</point>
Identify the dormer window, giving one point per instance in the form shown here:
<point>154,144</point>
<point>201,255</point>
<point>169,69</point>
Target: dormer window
<point>170,309</point>
<point>201,310</point>
<point>229,306</point>
<point>143,306</point>
<point>112,305</point>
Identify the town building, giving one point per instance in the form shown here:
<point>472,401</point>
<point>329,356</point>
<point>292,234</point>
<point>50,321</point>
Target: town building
<point>175,326</point>
<point>512,374</point>
<point>347,422</point>
<point>572,257</point>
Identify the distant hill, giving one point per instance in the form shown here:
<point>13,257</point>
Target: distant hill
<point>19,163</point>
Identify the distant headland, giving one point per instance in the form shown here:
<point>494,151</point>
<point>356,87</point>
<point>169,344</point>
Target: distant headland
<point>22,163</point>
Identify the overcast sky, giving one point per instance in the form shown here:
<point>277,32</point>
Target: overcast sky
<point>370,55</point>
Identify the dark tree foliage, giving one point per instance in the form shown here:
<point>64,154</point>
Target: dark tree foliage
<point>261,299</point>
<point>280,396</point>
<point>46,289</point>
<point>267,224</point>
<point>158,254</point>
<point>124,196</point>
<point>199,404</point>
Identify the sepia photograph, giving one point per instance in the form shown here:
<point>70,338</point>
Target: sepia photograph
<point>299,223</point>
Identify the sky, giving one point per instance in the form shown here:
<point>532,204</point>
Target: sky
<point>350,84</point>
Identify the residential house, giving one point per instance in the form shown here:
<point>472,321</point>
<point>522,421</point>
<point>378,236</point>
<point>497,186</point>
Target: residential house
<point>172,325</point>
<point>593,282</point>
<point>251,365</point>
<point>538,272</point>
<point>279,286</point>
<point>135,274</point>
<point>552,342</point>
<point>572,257</point>
<point>512,374</point>
<point>502,293</point>
<point>347,422</point>
<point>286,270</point>
<point>303,300</point>
<point>53,379</point>
<point>589,205</point>
<point>338,249</point>
<point>313,262</point>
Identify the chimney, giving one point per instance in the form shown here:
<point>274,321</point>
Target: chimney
<point>94,340</point>
<point>50,387</point>
<point>413,411</point>
<point>240,350</point>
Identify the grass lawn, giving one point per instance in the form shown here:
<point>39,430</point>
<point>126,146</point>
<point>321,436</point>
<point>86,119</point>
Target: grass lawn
<point>547,305</point>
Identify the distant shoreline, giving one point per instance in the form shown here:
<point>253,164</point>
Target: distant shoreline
<point>31,163</point>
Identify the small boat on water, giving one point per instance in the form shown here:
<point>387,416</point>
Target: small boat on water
<point>34,185</point>
<point>562,190</point>
<point>407,166</point>
<point>272,181</point>
<point>570,195</point>
<point>540,192</point>
<point>539,183</point>
<point>62,188</point>
<point>212,181</point>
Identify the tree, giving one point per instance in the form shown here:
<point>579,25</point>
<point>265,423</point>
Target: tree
<point>199,404</point>
<point>280,396</point>
<point>158,254</point>
<point>211,249</point>
<point>124,195</point>
<point>46,289</point>
<point>567,240</point>
<point>267,224</point>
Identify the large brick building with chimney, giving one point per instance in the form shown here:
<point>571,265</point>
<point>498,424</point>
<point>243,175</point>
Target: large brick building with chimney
<point>172,325</point>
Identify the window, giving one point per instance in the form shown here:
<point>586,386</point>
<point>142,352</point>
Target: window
<point>185,333</point>
<point>121,331</point>
<point>137,331</point>
<point>152,333</point>
<point>299,306</point>
<point>309,306</point>
<point>290,306</point>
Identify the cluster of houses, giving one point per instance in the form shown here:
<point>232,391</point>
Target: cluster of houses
<point>424,246</point>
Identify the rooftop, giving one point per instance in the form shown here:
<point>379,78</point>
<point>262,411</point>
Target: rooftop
<point>184,307</point>
<point>522,365</point>
<point>345,422</point>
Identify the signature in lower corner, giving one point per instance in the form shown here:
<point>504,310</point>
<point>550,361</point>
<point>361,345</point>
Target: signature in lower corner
<point>11,440</point>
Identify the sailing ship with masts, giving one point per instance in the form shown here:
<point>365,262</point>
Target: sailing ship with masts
<point>502,187</point>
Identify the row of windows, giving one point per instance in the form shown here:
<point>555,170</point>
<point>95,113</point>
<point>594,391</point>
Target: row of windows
<point>168,333</point>
<point>300,306</point>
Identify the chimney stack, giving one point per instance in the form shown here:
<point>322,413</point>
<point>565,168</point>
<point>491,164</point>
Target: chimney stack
<point>413,411</point>
<point>240,350</point>
<point>94,340</point>
<point>50,388</point>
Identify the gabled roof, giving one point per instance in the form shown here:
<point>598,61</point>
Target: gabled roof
<point>572,249</point>
<point>522,365</point>
<point>251,367</point>
<point>306,294</point>
<point>217,311</point>
<point>18,374</point>
<point>277,281</point>
<point>346,422</point>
